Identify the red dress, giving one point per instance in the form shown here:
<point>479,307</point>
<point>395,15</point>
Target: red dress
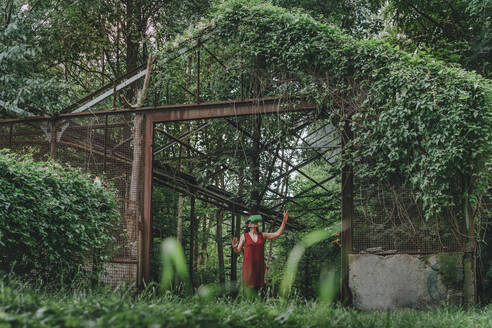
<point>254,261</point>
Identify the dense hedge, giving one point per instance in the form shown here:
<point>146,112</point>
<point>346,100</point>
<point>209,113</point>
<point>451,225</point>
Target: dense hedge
<point>418,121</point>
<point>53,221</point>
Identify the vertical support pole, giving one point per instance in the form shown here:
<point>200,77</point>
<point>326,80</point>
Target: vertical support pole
<point>147,222</point>
<point>102,70</point>
<point>114,95</point>
<point>198,73</point>
<point>192,237</point>
<point>347,213</point>
<point>105,141</point>
<point>52,139</point>
<point>11,128</point>
<point>233,254</point>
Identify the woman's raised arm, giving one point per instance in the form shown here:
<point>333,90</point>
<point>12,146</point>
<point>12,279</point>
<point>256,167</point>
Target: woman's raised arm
<point>280,231</point>
<point>238,245</point>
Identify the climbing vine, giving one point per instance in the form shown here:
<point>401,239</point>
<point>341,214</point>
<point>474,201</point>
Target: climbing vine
<point>416,121</point>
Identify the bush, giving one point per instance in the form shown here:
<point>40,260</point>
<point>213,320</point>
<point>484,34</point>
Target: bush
<point>55,224</point>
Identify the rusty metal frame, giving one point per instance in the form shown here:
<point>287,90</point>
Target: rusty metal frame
<point>187,113</point>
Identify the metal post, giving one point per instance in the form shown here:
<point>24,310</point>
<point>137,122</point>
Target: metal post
<point>347,213</point>
<point>147,228</point>
<point>233,254</point>
<point>198,74</point>
<point>192,236</point>
<point>105,140</point>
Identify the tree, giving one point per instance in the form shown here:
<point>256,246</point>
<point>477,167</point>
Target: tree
<point>456,31</point>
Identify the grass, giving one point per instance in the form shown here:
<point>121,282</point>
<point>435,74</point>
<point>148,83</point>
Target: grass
<point>24,306</point>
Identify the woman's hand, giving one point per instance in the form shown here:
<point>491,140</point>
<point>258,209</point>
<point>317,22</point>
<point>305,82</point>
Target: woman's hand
<point>235,242</point>
<point>280,231</point>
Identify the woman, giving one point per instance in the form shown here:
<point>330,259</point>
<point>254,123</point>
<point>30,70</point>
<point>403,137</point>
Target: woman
<point>254,250</point>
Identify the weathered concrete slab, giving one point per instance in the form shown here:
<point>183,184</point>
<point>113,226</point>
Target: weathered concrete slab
<point>405,281</point>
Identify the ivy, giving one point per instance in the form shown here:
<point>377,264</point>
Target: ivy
<point>417,121</point>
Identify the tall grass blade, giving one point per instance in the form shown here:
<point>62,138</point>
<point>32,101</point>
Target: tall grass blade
<point>296,255</point>
<point>173,261</point>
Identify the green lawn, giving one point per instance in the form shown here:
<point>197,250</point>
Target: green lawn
<point>21,306</point>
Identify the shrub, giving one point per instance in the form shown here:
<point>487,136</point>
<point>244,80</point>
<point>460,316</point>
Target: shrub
<point>55,224</point>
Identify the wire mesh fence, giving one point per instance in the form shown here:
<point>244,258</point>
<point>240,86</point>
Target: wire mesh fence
<point>388,218</point>
<point>100,145</point>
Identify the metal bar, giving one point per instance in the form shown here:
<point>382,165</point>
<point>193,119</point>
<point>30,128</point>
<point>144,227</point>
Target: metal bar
<point>233,254</point>
<point>347,213</point>
<point>170,136</point>
<point>105,141</point>
<point>225,109</point>
<point>181,178</point>
<point>110,92</point>
<point>123,261</point>
<point>305,196</point>
<point>189,111</point>
<point>101,89</point>
<point>313,147</point>
<point>147,229</point>
<point>178,139</point>
<point>304,191</point>
<point>192,237</point>
<point>295,168</point>
<point>182,87</point>
<point>278,156</point>
<point>293,201</point>
<point>181,51</point>
<point>216,59</point>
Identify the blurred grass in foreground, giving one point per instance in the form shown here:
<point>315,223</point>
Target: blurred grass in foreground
<point>24,306</point>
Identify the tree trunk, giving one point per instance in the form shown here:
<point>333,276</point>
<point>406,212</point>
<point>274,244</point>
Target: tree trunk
<point>220,246</point>
<point>192,260</point>
<point>179,226</point>
<point>203,257</point>
<point>132,209</point>
<point>195,227</point>
<point>179,232</point>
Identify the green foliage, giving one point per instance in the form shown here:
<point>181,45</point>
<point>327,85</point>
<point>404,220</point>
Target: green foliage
<point>356,17</point>
<point>24,306</point>
<point>295,256</point>
<point>26,73</point>
<point>418,121</point>
<point>173,260</point>
<point>55,224</point>
<point>457,31</point>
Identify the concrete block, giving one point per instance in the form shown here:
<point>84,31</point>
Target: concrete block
<point>405,281</point>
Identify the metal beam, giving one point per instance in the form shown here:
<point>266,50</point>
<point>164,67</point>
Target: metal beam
<point>178,139</point>
<point>278,156</point>
<point>110,92</point>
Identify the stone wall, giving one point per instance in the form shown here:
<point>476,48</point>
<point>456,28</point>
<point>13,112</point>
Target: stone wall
<point>380,282</point>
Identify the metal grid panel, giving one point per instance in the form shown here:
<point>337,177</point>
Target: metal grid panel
<point>388,218</point>
<point>101,146</point>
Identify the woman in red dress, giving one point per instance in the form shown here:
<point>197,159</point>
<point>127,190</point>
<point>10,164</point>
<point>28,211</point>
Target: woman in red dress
<point>254,251</point>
